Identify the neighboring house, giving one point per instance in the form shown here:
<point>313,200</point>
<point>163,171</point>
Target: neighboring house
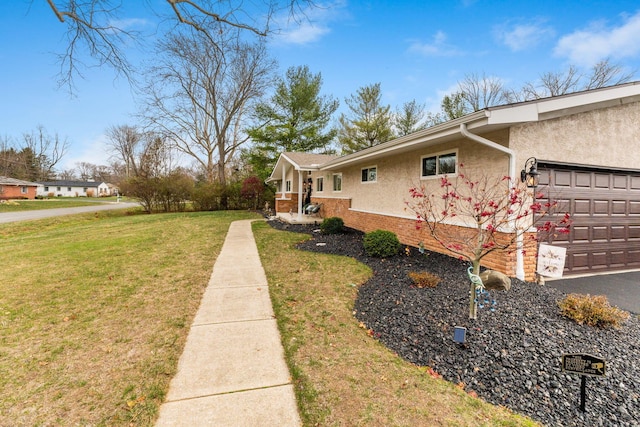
<point>11,188</point>
<point>66,188</point>
<point>587,146</point>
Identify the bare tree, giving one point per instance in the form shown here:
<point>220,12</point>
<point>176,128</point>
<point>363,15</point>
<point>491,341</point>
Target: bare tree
<point>94,25</point>
<point>47,150</point>
<point>85,170</point>
<point>482,91</point>
<point>199,95</point>
<point>67,174</point>
<point>124,143</point>
<point>605,73</point>
<point>602,74</point>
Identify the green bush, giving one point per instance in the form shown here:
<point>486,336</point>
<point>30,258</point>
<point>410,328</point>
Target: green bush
<point>332,225</point>
<point>592,310</point>
<point>381,244</point>
<point>424,279</point>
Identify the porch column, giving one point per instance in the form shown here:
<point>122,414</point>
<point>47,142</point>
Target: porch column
<point>299,195</point>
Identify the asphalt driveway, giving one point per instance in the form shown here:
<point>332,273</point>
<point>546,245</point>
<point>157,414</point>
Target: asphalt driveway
<point>621,289</point>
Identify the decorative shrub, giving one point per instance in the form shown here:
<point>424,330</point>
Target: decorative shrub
<point>381,243</point>
<point>592,310</point>
<point>332,225</point>
<point>424,279</point>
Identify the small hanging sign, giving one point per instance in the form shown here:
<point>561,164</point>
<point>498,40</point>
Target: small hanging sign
<point>551,260</point>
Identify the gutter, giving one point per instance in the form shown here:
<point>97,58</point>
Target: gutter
<point>512,173</point>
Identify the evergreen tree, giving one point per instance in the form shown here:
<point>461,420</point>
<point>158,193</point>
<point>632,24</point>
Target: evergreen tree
<point>409,118</point>
<point>370,123</point>
<point>295,118</point>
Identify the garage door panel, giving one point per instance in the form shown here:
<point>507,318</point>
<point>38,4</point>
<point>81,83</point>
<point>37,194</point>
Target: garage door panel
<point>634,232</point>
<point>601,207</point>
<point>619,207</point>
<point>562,178</point>
<point>618,259</point>
<point>620,182</point>
<point>602,181</point>
<point>583,179</point>
<point>605,210</point>
<point>582,207</point>
<point>618,233</point>
<point>600,234</point>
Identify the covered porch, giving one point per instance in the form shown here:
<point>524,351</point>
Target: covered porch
<point>294,186</point>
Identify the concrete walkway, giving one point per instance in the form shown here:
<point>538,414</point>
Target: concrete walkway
<point>232,371</point>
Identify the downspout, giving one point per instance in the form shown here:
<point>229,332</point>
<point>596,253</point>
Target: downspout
<point>512,173</point>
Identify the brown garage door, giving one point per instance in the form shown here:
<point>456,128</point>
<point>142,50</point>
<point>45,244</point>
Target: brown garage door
<point>605,209</point>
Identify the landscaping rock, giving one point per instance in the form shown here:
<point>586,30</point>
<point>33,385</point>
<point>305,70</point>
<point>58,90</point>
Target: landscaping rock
<point>494,280</point>
<point>511,357</point>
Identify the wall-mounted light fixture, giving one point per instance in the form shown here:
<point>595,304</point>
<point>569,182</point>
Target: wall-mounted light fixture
<point>530,173</point>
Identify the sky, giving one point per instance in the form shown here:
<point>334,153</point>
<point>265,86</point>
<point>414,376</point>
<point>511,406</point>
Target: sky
<point>415,49</point>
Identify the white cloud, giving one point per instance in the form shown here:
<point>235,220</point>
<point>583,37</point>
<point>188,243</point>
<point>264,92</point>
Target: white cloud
<point>310,25</point>
<point>588,46</point>
<point>523,36</point>
<point>436,47</point>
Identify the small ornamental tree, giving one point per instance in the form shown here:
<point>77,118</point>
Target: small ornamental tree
<point>252,189</point>
<point>473,218</point>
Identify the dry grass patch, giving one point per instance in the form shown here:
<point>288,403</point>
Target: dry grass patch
<point>341,374</point>
<point>95,310</point>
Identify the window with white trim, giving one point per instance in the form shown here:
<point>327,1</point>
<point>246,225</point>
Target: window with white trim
<point>337,182</point>
<point>369,174</point>
<point>24,190</point>
<point>288,187</point>
<point>319,184</point>
<point>439,164</point>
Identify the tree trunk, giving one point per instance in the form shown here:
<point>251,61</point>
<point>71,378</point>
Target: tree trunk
<point>473,302</point>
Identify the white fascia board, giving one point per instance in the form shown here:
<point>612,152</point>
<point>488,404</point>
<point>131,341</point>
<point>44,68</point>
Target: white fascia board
<point>514,114</point>
<point>564,105</point>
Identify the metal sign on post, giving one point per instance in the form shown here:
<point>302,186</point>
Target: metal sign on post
<point>583,365</point>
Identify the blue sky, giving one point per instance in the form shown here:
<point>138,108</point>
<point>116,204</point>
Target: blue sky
<point>414,49</point>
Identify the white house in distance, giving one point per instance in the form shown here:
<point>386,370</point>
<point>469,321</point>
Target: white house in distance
<point>66,188</point>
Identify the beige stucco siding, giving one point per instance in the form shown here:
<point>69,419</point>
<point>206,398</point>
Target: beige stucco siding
<point>607,137</point>
<point>398,173</point>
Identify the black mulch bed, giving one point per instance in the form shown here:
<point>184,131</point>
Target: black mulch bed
<point>512,357</point>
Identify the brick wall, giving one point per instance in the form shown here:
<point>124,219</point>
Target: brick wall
<point>287,203</point>
<point>409,234</point>
<point>15,192</point>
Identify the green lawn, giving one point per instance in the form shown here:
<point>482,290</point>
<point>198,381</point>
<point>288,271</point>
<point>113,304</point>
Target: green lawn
<point>95,310</point>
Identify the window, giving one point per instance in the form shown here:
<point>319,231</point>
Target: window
<point>337,182</point>
<point>68,188</point>
<point>46,188</point>
<point>288,187</point>
<point>440,164</point>
<point>23,189</point>
<point>319,184</point>
<point>370,174</point>
<point>58,188</point>
<point>84,190</point>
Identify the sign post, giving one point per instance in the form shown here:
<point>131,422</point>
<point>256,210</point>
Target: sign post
<point>583,365</point>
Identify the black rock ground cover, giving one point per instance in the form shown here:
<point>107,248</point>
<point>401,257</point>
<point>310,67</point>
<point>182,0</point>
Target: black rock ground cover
<point>512,356</point>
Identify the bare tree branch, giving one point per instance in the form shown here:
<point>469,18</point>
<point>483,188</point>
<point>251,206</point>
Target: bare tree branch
<point>93,25</point>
